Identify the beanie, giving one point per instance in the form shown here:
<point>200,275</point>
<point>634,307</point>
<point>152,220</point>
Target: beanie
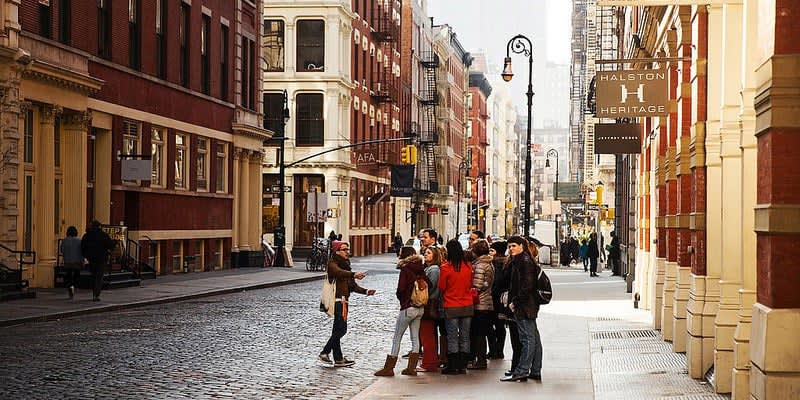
<point>500,247</point>
<point>336,244</point>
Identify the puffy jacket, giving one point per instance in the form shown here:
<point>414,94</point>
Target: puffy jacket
<point>411,268</point>
<point>522,287</point>
<point>339,269</point>
<point>482,279</point>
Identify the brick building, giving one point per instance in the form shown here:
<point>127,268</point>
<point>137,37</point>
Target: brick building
<point>88,84</point>
<point>477,143</point>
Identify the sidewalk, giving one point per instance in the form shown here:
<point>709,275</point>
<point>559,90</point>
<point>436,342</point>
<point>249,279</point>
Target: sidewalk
<point>52,304</point>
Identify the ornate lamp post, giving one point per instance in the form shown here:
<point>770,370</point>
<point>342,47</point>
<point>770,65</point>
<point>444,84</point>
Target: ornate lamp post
<point>520,44</point>
<point>553,153</point>
<point>280,230</point>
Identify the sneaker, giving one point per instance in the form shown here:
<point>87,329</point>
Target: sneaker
<point>324,358</point>
<point>71,291</point>
<point>343,363</point>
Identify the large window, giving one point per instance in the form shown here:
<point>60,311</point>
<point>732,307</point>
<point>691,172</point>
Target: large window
<point>161,38</point>
<point>157,153</point>
<point>130,139</point>
<point>221,167</point>
<point>309,123</point>
<point>248,74</point>
<point>205,56</point>
<point>273,45</point>
<point>184,44</point>
<point>134,42</point>
<point>28,157</point>
<point>202,164</point>
<point>310,45</point>
<point>223,67</point>
<point>273,112</point>
<point>104,28</point>
<point>45,20</point>
<point>65,21</point>
<point>181,151</point>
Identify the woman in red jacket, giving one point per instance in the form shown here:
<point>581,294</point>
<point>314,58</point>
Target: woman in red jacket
<point>455,281</point>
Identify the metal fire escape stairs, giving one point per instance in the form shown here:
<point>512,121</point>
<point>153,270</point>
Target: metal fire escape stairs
<point>428,134</point>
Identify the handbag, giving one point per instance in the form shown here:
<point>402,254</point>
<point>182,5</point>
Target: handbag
<point>476,297</point>
<point>327,298</point>
<point>431,310</point>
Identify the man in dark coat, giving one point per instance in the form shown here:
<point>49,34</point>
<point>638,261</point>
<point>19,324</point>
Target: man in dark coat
<point>594,254</point>
<point>614,254</point>
<point>523,304</point>
<point>95,247</point>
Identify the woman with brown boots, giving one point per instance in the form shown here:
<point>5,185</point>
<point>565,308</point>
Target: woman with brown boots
<point>409,317</point>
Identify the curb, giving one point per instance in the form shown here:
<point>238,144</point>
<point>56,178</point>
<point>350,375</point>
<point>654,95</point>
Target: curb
<point>144,303</point>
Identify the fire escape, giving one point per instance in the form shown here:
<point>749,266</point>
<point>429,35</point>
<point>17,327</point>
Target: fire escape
<point>385,79</point>
<point>428,134</point>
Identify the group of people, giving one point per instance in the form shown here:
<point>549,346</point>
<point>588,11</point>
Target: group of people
<point>588,251</point>
<point>94,247</point>
<point>473,296</point>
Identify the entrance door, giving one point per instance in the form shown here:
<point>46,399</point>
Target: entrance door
<point>304,232</point>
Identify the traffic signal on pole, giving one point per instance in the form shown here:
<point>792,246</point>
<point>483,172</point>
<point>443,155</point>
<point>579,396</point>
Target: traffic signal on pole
<point>405,155</point>
<point>412,151</point>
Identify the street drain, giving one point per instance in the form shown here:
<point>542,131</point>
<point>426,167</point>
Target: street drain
<point>625,334</point>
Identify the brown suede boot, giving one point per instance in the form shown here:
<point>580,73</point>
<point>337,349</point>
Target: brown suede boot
<point>388,366</point>
<point>411,369</point>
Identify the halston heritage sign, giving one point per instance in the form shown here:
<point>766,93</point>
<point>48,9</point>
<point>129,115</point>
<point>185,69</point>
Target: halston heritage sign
<point>617,138</point>
<point>632,93</point>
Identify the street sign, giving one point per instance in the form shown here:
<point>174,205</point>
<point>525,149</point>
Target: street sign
<point>276,188</point>
<point>445,211</point>
<point>433,210</point>
<point>594,207</point>
<point>338,193</point>
<point>287,189</point>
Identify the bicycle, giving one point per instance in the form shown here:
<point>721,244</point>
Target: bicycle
<point>320,254</point>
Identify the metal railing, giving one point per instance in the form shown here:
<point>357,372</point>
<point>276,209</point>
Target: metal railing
<point>23,257</point>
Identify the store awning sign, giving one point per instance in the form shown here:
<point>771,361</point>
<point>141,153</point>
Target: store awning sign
<point>617,138</point>
<point>631,93</point>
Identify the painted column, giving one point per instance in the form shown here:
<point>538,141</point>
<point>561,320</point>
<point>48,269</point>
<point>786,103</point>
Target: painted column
<point>774,346</point>
<point>10,151</point>
<point>76,126</point>
<point>660,209</point>
<point>684,183</point>
<point>243,197</point>
<point>254,200</point>
<point>671,200</point>
<point>44,242</point>
<point>235,237</point>
<point>699,325</point>
<point>747,118</point>
<point>731,272</point>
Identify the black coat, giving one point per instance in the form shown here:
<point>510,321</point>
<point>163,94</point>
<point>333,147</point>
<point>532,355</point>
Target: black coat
<point>521,292</point>
<point>614,251</point>
<point>500,283</point>
<point>96,245</point>
<point>594,252</point>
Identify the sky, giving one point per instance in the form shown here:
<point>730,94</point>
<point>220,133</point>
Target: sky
<point>487,25</point>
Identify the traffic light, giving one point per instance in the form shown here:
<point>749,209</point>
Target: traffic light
<point>405,155</point>
<point>408,154</point>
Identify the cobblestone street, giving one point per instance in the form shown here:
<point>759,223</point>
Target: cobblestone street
<point>251,345</point>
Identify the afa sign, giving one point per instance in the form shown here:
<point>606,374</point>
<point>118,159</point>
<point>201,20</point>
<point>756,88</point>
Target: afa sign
<point>632,93</point>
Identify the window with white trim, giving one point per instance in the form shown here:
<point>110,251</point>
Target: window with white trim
<point>157,156</point>
<point>221,161</point>
<point>130,139</point>
<point>202,164</point>
<point>181,152</point>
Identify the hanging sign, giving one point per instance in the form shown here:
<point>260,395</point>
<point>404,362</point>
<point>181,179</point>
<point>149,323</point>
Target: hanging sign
<point>132,170</point>
<point>402,180</point>
<point>631,93</point>
<point>617,139</point>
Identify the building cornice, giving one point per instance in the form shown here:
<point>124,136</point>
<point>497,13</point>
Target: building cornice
<point>53,74</point>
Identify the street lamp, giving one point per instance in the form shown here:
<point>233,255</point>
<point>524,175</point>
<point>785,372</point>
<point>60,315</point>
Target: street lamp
<point>465,166</point>
<point>553,153</point>
<point>280,230</point>
<point>522,45</point>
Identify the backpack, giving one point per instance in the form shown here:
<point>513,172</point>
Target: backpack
<point>419,292</point>
<point>544,291</point>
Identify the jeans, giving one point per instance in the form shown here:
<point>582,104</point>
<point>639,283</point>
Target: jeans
<point>458,334</point>
<point>410,317</point>
<point>339,330</point>
<point>98,269</point>
<point>516,346</point>
<point>530,360</point>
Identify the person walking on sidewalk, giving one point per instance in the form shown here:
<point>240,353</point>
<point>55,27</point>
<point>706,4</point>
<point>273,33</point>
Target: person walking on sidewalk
<point>455,281</point>
<point>522,303</point>
<point>593,254</point>
<point>614,254</point>
<point>411,269</point>
<point>95,247</point>
<point>340,270</point>
<point>431,318</point>
<point>73,259</point>
<point>583,253</point>
<point>482,279</point>
<point>497,327</point>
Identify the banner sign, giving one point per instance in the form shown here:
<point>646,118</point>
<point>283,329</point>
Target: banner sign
<point>316,207</point>
<point>136,169</point>
<point>402,180</point>
<point>568,191</point>
<point>617,139</point>
<point>631,93</point>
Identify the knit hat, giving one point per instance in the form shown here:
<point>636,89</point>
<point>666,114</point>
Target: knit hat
<point>500,247</point>
<point>336,245</point>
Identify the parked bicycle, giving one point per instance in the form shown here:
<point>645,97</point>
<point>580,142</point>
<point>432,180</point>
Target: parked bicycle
<point>320,254</point>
